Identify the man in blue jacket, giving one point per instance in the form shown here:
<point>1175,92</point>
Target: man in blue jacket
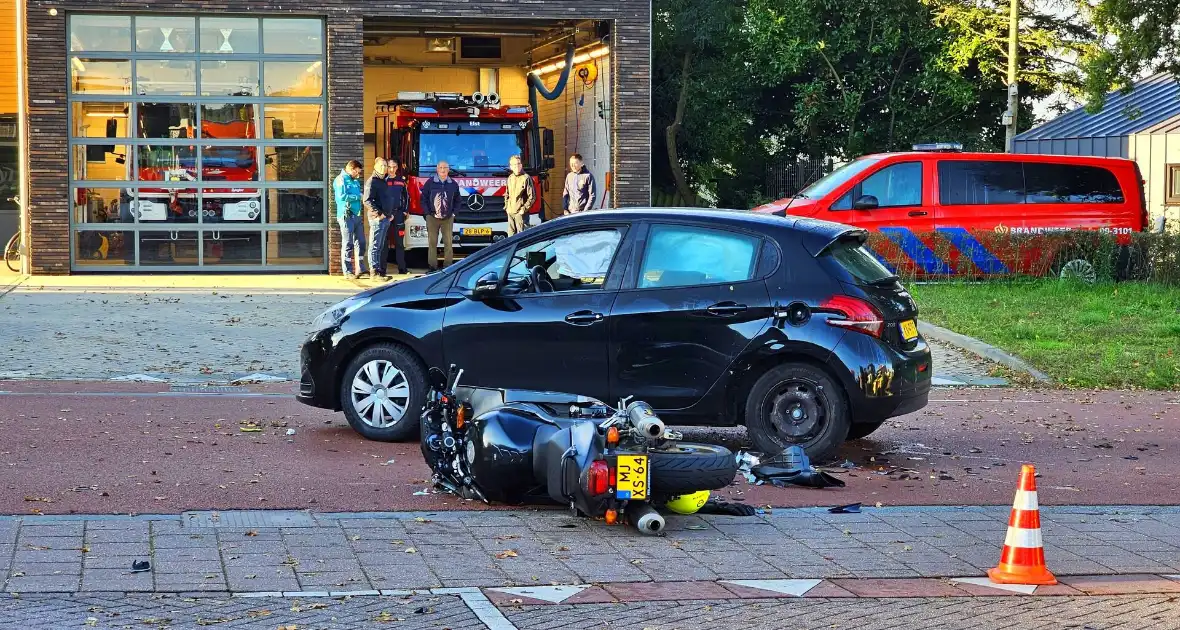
<point>349,195</point>
<point>440,202</point>
<point>386,199</point>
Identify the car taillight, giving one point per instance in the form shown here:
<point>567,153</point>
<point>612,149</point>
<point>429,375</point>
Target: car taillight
<point>598,478</point>
<point>854,314</point>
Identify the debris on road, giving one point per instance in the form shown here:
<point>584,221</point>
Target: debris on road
<point>794,467</point>
<point>851,508</point>
<point>140,566</point>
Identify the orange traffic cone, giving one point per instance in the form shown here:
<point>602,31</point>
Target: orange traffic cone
<point>1023,558</point>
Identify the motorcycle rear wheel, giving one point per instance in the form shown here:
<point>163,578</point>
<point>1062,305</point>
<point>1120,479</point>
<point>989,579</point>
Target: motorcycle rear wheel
<point>686,467</point>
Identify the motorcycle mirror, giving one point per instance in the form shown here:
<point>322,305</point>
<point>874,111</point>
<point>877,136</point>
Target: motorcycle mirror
<point>438,378</point>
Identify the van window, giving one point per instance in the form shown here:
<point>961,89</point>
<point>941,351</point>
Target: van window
<point>894,186</point>
<point>962,183</point>
<point>1067,183</point>
<point>833,180</point>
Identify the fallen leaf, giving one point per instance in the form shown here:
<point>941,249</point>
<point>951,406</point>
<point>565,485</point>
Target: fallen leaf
<point>262,612</point>
<point>507,537</point>
<point>39,499</point>
<point>507,554</point>
<point>422,520</point>
<point>251,533</point>
<point>411,550</point>
<point>385,617</point>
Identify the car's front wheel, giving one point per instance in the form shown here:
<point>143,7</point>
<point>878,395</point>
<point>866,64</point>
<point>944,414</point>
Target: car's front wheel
<point>382,391</point>
<point>797,404</point>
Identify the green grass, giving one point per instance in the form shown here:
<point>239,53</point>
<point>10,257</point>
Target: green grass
<point>1101,336</point>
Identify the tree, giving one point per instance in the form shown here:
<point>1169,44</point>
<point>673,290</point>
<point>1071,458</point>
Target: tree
<point>1138,36</point>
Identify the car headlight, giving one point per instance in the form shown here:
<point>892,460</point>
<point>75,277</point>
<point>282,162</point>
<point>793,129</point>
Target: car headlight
<point>337,313</point>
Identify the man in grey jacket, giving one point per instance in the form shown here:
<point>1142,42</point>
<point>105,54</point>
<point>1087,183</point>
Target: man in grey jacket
<point>580,190</point>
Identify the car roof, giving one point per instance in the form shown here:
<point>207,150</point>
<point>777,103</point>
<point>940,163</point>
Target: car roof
<point>1002,157</point>
<point>816,233</point>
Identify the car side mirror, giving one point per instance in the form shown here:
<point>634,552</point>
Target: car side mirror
<point>865,202</point>
<point>487,286</point>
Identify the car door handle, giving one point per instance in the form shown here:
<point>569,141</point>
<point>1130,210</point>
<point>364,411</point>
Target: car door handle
<point>917,213</point>
<point>726,309</point>
<point>583,318</point>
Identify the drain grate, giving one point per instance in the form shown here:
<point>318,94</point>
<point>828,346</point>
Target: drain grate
<point>248,518</point>
<point>207,389</point>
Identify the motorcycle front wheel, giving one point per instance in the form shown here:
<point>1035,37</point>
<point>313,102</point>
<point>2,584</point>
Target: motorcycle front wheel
<point>684,467</point>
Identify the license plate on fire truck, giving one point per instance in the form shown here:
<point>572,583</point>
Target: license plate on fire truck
<point>478,231</point>
<point>631,473</point>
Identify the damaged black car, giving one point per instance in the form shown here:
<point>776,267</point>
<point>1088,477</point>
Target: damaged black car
<point>788,326</point>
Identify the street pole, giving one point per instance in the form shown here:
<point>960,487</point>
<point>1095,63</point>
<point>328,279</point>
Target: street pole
<point>1013,90</point>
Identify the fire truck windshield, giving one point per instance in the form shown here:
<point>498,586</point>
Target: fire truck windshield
<point>468,151</point>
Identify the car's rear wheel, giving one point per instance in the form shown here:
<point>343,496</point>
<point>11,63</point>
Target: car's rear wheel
<point>863,429</point>
<point>382,391</point>
<point>797,404</point>
<point>686,467</point>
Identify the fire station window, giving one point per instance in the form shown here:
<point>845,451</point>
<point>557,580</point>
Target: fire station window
<point>294,164</point>
<point>108,33</point>
<point>227,120</point>
<point>1173,182</point>
<point>1067,183</point>
<point>165,76</point>
<point>228,36</point>
<point>166,120</point>
<point>164,163</point>
<point>169,34</point>
<point>294,78</point>
<point>234,163</point>
<point>964,183</point>
<point>92,76</point>
<point>102,162</point>
<point>896,186</point>
<point>229,78</point>
<point>287,36</point>
<point>101,120</point>
<point>288,121</point>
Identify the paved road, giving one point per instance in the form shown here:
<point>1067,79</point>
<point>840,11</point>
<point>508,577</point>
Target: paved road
<point>189,334</point>
<point>134,449</point>
<point>1095,613</point>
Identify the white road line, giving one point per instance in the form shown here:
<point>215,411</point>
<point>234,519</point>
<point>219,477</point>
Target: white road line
<point>479,604</point>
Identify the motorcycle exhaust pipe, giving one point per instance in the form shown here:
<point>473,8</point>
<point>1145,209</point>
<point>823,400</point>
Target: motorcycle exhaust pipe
<point>645,420</point>
<point>645,518</point>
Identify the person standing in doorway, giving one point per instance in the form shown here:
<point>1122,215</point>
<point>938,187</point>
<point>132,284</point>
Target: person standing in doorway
<point>440,201</point>
<point>348,193</point>
<point>520,197</point>
<point>580,189</point>
<point>401,205</point>
<point>385,200</point>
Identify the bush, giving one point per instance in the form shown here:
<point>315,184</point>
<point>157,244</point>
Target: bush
<point>1103,257</point>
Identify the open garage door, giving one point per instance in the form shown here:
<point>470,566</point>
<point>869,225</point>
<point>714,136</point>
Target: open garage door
<point>459,92</point>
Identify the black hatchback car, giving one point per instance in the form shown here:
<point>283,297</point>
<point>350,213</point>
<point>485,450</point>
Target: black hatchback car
<point>788,326</point>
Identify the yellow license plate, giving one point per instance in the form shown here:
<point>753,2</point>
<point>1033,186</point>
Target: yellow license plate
<point>476,231</point>
<point>631,472</point>
<point>909,330</point>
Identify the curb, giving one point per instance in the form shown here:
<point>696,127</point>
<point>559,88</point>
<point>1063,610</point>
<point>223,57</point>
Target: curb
<point>981,349</point>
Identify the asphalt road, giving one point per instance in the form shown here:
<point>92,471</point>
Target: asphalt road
<point>118,448</point>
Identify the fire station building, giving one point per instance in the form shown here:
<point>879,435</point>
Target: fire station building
<point>203,136</point>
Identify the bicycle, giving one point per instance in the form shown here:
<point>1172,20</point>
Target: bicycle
<point>12,250</point>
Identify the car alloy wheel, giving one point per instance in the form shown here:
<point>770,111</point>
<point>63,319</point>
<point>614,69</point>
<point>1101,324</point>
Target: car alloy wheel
<point>798,411</point>
<point>380,394</point>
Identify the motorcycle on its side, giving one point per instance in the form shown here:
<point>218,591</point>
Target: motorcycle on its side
<point>518,446</point>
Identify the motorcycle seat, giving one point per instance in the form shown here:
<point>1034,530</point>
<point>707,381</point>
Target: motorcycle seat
<point>484,399</point>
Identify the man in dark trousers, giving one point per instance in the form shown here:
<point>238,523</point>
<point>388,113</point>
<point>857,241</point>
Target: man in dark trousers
<point>580,189</point>
<point>440,201</point>
<point>386,198</point>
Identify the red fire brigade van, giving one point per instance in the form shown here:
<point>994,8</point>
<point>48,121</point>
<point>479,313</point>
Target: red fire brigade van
<point>938,192</point>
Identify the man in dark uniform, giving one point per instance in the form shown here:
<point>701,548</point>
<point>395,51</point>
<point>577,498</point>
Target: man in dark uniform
<point>386,199</point>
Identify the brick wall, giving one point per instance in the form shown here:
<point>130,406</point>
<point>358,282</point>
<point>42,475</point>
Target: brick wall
<point>48,191</point>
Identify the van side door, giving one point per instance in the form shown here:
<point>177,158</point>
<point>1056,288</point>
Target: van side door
<point>893,200</point>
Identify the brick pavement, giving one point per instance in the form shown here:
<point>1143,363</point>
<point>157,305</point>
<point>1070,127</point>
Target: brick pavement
<point>389,551</point>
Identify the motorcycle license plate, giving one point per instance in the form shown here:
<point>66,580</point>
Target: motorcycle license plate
<point>631,472</point>
<point>909,330</point>
<point>478,231</point>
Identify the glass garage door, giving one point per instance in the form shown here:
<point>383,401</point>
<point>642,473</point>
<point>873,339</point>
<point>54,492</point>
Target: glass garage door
<point>197,143</point>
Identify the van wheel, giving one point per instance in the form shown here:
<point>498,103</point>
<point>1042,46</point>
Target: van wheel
<point>796,404</point>
<point>859,430</point>
<point>382,392</point>
<point>1079,270</point>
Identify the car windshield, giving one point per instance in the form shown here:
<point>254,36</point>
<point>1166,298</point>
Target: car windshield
<point>832,181</point>
<point>468,151</point>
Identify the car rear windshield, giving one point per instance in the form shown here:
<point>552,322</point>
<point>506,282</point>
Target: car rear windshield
<point>859,262</point>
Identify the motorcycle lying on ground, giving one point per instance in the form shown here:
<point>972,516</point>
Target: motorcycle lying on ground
<point>519,446</point>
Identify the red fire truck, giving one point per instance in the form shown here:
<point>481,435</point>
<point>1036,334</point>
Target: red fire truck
<point>476,135</point>
<point>238,201</point>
